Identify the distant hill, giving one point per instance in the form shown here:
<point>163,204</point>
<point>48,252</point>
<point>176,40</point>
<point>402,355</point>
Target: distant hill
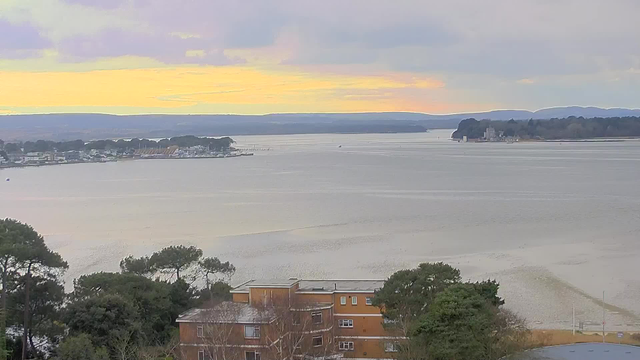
<point>97,126</point>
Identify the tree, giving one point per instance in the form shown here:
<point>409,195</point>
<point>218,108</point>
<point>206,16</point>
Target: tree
<point>216,292</point>
<point>213,267</point>
<point>37,258</point>
<point>153,300</point>
<point>12,148</point>
<point>13,240</point>
<point>181,296</point>
<point>104,318</point>
<point>444,319</point>
<point>458,325</point>
<point>80,348</point>
<point>45,311</point>
<point>174,260</point>
<point>23,252</point>
<point>510,334</point>
<point>408,293</point>
<point>138,266</point>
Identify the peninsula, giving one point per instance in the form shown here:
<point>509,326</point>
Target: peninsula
<point>569,128</point>
<point>42,152</point>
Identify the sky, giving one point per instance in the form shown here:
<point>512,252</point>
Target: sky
<point>276,56</point>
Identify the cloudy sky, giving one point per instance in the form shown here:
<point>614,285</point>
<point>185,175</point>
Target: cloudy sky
<point>264,56</point>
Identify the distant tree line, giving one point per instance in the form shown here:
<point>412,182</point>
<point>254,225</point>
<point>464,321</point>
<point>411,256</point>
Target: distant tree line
<point>213,144</point>
<point>567,128</point>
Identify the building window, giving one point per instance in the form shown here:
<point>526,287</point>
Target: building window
<point>251,332</point>
<point>343,300</point>
<point>317,341</point>
<point>296,318</point>
<point>200,331</point>
<point>345,323</point>
<point>201,355</point>
<point>316,318</point>
<point>346,346</point>
<point>354,300</point>
<point>368,301</point>
<point>390,347</point>
<point>251,355</point>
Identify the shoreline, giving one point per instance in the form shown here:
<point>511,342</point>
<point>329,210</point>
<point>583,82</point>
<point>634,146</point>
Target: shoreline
<point>590,140</point>
<point>14,166</point>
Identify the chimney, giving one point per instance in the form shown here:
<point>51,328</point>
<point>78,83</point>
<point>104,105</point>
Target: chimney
<point>335,286</point>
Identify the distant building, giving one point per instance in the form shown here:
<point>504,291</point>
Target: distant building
<point>490,134</point>
<point>301,319</point>
<point>34,157</point>
<point>72,155</point>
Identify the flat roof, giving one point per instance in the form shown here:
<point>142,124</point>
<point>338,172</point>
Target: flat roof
<point>342,285</point>
<point>320,286</point>
<point>588,351</point>
<point>228,312</point>
<point>274,283</point>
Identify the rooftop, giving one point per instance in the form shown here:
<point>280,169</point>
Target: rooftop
<point>342,285</point>
<point>228,313</point>
<point>275,283</point>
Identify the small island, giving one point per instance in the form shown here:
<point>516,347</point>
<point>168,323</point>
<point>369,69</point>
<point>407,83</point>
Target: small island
<point>571,128</point>
<point>41,152</point>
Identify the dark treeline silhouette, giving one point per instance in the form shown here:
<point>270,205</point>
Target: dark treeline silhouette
<point>567,128</point>
<point>219,144</point>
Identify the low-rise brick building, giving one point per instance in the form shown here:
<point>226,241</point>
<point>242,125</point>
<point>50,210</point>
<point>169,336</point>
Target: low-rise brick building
<point>285,319</point>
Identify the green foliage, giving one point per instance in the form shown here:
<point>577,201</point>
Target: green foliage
<point>217,292</point>
<point>24,256</point>
<point>153,299</point>
<point>105,318</point>
<point>488,289</point>
<point>77,348</point>
<point>568,128</point>
<point>214,267</point>
<point>445,319</point>
<point>138,266</point>
<point>45,305</point>
<point>181,296</point>
<point>108,315</point>
<point>408,293</point>
<point>458,325</point>
<point>175,259</point>
<point>11,148</point>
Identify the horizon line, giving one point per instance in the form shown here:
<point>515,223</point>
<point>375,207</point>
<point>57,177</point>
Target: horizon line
<point>322,113</point>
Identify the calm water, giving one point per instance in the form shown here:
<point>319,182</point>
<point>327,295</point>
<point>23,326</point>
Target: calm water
<point>556,223</point>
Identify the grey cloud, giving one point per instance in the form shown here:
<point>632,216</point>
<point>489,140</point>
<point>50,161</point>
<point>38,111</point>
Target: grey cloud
<point>21,40</point>
<point>117,42</point>
<point>504,38</point>
<point>102,4</point>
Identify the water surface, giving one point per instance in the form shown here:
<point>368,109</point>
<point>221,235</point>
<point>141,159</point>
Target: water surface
<point>556,223</point>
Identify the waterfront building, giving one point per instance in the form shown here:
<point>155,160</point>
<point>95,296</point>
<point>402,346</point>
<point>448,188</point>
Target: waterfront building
<point>281,319</point>
<point>490,134</point>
